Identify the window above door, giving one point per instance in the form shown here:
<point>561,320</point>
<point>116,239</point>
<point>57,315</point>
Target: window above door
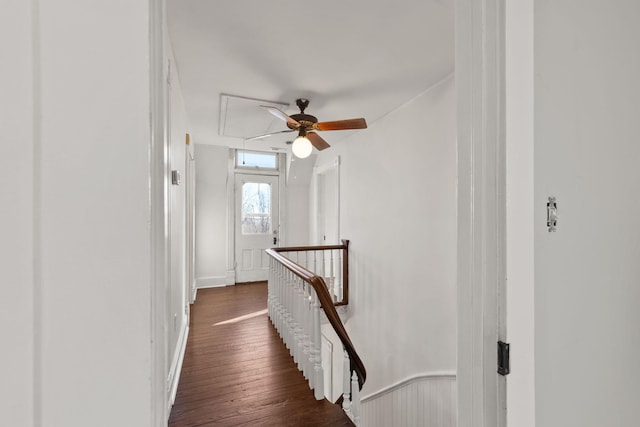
<point>256,160</point>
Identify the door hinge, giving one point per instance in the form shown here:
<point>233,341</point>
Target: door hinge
<point>504,367</point>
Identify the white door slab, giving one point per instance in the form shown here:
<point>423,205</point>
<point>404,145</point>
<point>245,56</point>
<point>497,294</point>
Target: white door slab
<point>256,225</point>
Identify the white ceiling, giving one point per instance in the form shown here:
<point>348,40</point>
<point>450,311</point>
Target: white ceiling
<point>349,58</point>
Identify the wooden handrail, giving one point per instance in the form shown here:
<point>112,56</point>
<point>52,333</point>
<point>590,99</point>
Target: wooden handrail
<point>345,263</point>
<point>325,299</point>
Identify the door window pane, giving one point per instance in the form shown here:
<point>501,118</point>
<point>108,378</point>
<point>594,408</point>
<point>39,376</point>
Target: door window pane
<point>256,208</point>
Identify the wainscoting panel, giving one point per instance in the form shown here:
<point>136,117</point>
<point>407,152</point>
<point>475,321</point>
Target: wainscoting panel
<point>426,400</point>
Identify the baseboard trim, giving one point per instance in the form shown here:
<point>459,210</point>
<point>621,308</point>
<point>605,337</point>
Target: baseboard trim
<point>176,366</point>
<point>407,381</point>
<point>231,277</point>
<point>212,282</point>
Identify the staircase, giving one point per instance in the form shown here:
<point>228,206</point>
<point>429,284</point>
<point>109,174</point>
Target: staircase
<point>236,370</point>
<point>299,298</point>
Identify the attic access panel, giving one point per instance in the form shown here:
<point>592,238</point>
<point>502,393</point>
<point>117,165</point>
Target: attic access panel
<point>242,117</point>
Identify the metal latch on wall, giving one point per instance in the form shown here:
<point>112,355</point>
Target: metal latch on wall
<point>552,214</point>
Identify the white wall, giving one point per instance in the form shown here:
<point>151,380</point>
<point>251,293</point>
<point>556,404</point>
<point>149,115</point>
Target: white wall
<point>212,197</point>
<point>17,155</point>
<point>398,208</point>
<point>211,215</point>
<point>76,214</point>
<point>587,64</point>
<point>93,238</point>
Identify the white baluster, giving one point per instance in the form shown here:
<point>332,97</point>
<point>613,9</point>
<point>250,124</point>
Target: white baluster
<point>317,343</point>
<point>274,300</point>
<point>286,315</point>
<point>290,320</point>
<point>346,385</point>
<point>312,341</point>
<point>278,301</point>
<point>355,398</point>
<point>300,325</point>
<point>332,277</point>
<point>269,287</point>
<point>295,334</point>
<point>306,317</point>
<point>340,278</point>
<point>315,261</point>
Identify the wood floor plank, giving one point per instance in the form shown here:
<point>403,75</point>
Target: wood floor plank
<point>237,371</point>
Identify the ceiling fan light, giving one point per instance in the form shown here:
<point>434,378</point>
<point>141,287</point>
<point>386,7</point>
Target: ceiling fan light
<point>302,147</point>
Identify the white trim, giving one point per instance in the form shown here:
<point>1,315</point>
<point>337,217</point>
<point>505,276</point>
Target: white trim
<point>479,60</point>
<point>159,208</point>
<point>282,199</point>
<point>231,216</point>
<point>519,106</point>
<point>407,381</point>
<point>231,277</point>
<point>314,202</point>
<point>36,220</point>
<point>191,225</point>
<point>266,172</point>
<point>212,282</point>
<point>176,365</point>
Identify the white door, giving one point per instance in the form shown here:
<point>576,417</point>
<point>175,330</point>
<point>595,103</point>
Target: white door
<point>256,226</point>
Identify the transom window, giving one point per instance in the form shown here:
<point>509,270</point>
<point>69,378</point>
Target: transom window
<point>256,160</point>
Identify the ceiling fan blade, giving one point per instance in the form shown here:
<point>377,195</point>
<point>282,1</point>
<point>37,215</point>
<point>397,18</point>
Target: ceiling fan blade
<point>282,116</point>
<point>342,125</point>
<point>317,141</point>
<point>269,134</point>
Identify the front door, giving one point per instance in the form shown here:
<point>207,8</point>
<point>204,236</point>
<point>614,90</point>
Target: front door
<point>256,225</point>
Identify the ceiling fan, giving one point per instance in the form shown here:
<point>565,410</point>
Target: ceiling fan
<point>307,126</point>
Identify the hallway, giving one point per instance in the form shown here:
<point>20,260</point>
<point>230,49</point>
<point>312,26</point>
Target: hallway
<point>237,371</point>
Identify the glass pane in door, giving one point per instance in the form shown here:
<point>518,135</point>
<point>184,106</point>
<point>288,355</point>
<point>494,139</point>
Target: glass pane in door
<point>256,208</point>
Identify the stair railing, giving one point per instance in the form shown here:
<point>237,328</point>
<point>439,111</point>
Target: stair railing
<point>295,297</point>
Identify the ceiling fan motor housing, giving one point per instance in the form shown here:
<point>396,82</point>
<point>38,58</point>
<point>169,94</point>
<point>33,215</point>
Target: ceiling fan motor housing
<point>304,119</point>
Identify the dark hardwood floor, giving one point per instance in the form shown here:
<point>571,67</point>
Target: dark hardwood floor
<point>238,372</point>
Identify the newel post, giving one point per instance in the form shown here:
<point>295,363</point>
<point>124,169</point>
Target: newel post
<point>345,271</point>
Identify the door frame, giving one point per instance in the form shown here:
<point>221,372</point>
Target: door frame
<point>159,173</point>
<point>479,55</point>
<point>190,222</point>
<point>231,207</point>
<point>315,202</point>
<point>495,79</point>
